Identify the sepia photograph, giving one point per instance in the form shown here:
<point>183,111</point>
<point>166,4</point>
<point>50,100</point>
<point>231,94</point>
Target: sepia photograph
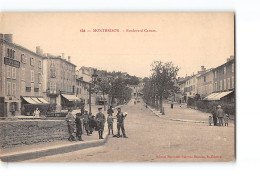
<point>117,87</point>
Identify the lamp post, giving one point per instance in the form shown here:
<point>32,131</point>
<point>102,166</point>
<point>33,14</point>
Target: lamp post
<point>94,79</point>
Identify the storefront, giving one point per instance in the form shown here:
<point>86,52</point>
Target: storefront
<point>29,104</point>
<point>70,102</point>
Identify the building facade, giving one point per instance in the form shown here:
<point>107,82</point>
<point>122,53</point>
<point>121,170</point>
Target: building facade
<point>224,81</point>
<point>59,82</point>
<point>205,83</point>
<point>21,79</point>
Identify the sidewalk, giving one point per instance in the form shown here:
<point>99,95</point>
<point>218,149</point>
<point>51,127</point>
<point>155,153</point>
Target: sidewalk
<point>26,152</point>
<point>182,113</point>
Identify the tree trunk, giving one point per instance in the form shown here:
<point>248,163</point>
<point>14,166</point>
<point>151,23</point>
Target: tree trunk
<point>104,101</point>
<point>161,104</point>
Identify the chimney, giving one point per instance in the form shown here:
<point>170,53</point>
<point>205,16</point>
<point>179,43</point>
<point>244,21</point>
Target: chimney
<point>38,50</point>
<point>68,58</point>
<point>8,37</point>
<point>62,55</point>
<point>203,68</point>
<point>228,59</point>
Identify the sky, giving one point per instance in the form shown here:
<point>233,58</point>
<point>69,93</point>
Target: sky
<point>189,40</point>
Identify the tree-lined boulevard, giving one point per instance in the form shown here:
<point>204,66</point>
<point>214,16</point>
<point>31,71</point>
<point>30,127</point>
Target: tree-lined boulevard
<point>159,139</point>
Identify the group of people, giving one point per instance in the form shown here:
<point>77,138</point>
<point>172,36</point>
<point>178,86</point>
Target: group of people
<point>94,123</point>
<point>218,118</point>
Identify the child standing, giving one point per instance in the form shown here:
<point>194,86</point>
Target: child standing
<point>210,120</point>
<point>226,120</point>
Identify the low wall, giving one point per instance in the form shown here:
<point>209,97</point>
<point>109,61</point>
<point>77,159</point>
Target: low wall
<point>13,133</point>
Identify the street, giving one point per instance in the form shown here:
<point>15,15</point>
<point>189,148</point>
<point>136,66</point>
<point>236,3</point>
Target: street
<point>156,139</point>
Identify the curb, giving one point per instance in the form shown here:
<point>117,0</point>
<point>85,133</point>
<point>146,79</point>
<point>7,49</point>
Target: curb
<point>177,120</point>
<point>27,155</point>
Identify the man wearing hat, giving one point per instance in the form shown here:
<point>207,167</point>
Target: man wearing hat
<point>220,115</point>
<point>71,125</point>
<point>100,119</point>
<point>120,123</point>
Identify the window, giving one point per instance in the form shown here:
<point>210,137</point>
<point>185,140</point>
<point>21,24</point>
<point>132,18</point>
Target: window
<point>220,85</point>
<point>32,76</point>
<point>23,74</point>
<point>228,83</point>
<point>13,89</point>
<point>10,53</point>
<point>39,77</point>
<point>52,63</point>
<point>233,68</point>
<point>22,87</point>
<point>13,72</point>
<point>28,89</point>
<point>225,84</point>
<point>40,64</point>
<point>32,61</point>
<point>204,78</point>
<point>225,70</point>
<point>8,71</point>
<point>9,87</point>
<point>52,86</point>
<point>23,58</point>
<point>36,89</point>
<point>215,74</point>
<point>53,73</point>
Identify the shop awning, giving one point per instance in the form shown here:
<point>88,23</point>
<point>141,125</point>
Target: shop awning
<point>43,101</point>
<point>70,97</point>
<point>29,100</point>
<point>217,96</point>
<point>35,100</point>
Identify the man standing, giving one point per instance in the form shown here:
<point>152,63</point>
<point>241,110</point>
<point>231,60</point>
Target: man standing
<point>78,127</point>
<point>220,115</point>
<point>100,119</point>
<point>120,123</point>
<point>71,125</point>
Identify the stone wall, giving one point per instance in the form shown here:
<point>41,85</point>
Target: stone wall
<point>20,132</point>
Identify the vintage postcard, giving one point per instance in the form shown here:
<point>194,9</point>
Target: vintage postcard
<point>117,87</point>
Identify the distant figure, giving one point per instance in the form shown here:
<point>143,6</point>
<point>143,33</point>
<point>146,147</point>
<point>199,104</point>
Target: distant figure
<point>135,102</point>
<point>100,119</point>
<point>172,105</point>
<point>71,123</point>
<point>210,120</point>
<point>78,127</point>
<point>146,105</point>
<point>36,113</point>
<point>91,123</point>
<point>214,115</point>
<point>220,115</point>
<point>226,118</point>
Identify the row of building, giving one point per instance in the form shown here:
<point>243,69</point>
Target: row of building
<point>32,80</point>
<point>213,84</point>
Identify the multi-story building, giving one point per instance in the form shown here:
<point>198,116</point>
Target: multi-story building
<point>205,83</point>
<point>224,82</point>
<point>82,88</point>
<point>21,79</point>
<point>59,82</point>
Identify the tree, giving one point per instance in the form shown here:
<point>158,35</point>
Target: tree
<point>162,83</point>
